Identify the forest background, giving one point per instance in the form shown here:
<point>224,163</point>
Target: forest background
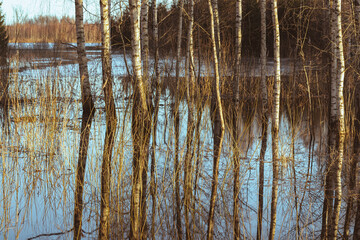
<point>298,20</point>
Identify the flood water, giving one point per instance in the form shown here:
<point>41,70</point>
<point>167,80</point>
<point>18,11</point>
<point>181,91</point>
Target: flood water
<point>39,150</point>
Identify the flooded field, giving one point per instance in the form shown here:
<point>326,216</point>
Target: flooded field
<point>40,135</point>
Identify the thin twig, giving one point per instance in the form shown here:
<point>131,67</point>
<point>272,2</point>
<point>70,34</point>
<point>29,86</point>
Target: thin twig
<point>51,234</point>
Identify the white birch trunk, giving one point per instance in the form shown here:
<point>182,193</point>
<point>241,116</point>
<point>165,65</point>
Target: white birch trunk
<point>236,123</point>
<point>190,74</point>
<point>238,48</point>
<point>217,32</point>
<point>87,115</point>
<point>137,80</point>
<point>190,84</point>
<point>334,73</point>
<point>140,127</point>
<point>111,120</point>
<point>340,115</point>
<point>275,119</point>
<point>136,51</point>
<point>82,59</point>
<point>219,128</point>
<point>145,40</point>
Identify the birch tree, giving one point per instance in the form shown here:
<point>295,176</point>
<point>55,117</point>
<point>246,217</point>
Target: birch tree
<point>144,24</point>
<point>264,122</point>
<point>218,128</point>
<point>275,119</point>
<point>190,84</point>
<point>144,38</point>
<point>88,111</point>
<point>333,191</point>
<point>217,32</point>
<point>340,115</point>
<point>236,116</point>
<point>111,120</point>
<point>141,123</point>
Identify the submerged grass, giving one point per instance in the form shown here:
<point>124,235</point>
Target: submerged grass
<point>39,151</point>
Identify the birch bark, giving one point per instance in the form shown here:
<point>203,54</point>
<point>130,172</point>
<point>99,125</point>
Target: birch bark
<point>144,38</point>
<point>332,130</point>
<point>190,79</point>
<point>111,120</point>
<point>275,120</point>
<point>218,128</point>
<point>87,116</point>
<point>217,32</point>
<point>340,117</point>
<point>236,123</point>
<point>144,24</point>
<point>140,125</point>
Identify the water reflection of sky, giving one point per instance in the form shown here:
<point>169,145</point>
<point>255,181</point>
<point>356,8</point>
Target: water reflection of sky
<point>39,159</point>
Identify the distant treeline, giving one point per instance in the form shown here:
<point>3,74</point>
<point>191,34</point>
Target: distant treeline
<point>51,29</point>
<point>303,25</point>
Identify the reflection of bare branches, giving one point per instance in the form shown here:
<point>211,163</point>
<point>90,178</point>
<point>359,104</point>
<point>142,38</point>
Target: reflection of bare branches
<point>50,234</point>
